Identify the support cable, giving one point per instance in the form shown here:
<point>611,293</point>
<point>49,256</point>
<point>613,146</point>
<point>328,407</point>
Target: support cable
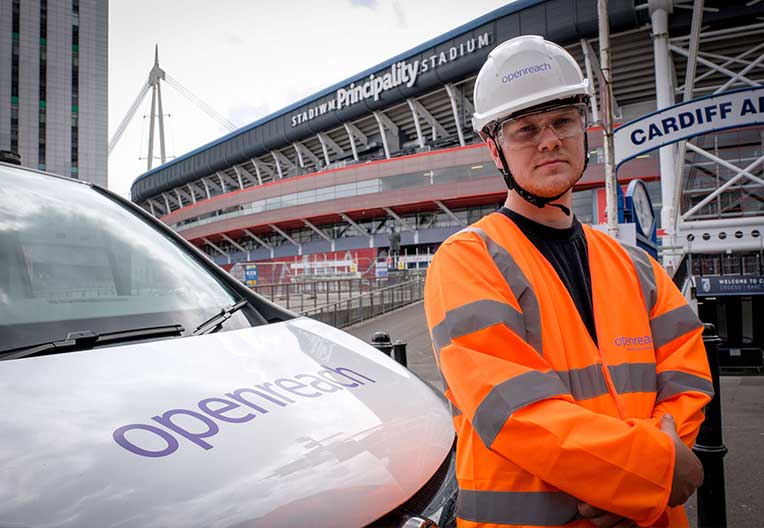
<point>129,116</point>
<point>201,104</point>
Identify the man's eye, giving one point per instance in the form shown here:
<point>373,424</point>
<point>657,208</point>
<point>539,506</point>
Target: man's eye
<point>563,122</point>
<point>527,130</point>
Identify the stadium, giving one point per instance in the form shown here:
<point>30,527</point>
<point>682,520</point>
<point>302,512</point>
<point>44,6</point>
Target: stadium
<point>386,162</point>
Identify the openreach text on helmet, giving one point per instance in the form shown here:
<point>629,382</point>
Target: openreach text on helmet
<point>525,71</point>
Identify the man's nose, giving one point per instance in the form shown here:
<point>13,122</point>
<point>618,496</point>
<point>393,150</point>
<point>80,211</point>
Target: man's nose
<point>549,139</point>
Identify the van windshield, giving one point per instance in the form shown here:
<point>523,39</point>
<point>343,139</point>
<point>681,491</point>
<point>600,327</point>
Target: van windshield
<point>72,259</point>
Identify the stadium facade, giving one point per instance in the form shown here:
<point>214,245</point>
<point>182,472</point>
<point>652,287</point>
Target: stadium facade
<point>391,151</point>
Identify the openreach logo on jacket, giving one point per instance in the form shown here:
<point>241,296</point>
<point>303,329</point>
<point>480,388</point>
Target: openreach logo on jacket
<point>644,342</point>
<point>239,406</point>
<point>522,72</point>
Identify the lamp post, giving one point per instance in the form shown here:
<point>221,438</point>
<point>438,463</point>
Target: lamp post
<point>606,98</point>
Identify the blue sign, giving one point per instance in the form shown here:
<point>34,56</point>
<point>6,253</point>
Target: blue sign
<point>723,285</point>
<point>640,211</point>
<point>712,113</point>
<point>250,274</point>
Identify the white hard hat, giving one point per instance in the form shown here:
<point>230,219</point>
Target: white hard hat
<point>522,73</point>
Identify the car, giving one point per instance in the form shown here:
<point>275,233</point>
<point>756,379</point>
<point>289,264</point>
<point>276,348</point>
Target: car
<point>142,385</point>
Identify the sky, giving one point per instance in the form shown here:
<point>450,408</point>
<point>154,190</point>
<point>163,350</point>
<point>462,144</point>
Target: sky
<point>250,58</point>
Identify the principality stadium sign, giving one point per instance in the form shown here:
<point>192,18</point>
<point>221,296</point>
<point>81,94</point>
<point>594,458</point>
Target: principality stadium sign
<point>402,72</point>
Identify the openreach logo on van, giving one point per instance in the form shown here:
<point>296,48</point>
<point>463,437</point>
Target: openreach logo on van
<point>403,72</point>
<point>198,425</point>
<point>522,72</point>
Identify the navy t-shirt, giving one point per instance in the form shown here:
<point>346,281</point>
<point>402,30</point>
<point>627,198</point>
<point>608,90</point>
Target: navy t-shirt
<point>566,250</point>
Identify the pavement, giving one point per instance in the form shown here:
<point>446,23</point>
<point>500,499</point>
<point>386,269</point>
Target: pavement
<point>742,416</point>
<point>407,324</point>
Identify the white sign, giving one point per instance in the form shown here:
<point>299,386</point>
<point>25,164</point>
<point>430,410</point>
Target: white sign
<point>693,118</point>
<point>415,258</point>
<point>318,264</point>
<point>626,232</point>
<point>402,72</point>
<point>380,269</point>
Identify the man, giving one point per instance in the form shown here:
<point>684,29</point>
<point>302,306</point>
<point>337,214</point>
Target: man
<point>575,368</point>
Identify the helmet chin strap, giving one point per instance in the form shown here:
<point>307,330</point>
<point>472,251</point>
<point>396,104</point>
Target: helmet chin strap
<point>535,199</point>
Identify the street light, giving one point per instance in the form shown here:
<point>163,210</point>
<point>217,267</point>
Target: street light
<point>690,271</point>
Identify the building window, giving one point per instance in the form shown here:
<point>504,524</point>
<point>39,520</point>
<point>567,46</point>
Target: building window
<point>751,264</point>
<point>75,86</point>
<point>16,26</point>
<point>75,13</point>
<point>731,265</point>
<point>710,265</point>
<point>42,110</point>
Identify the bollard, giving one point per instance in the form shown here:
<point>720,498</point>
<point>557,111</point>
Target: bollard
<point>709,447</point>
<point>399,352</point>
<point>381,341</point>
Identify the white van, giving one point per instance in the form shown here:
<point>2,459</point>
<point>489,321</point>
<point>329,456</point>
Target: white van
<point>144,386</point>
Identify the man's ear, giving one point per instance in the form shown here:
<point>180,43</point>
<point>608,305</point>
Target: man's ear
<point>493,149</point>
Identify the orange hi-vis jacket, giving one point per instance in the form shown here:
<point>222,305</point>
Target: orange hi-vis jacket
<point>545,418</point>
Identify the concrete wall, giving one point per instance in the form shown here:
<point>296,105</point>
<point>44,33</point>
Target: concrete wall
<point>93,110</point>
<point>29,82</point>
<point>59,104</point>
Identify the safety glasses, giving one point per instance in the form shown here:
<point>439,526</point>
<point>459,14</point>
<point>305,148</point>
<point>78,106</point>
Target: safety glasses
<point>526,131</point>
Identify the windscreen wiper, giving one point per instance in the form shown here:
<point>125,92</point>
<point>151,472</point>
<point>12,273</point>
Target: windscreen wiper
<point>87,339</point>
<point>217,320</point>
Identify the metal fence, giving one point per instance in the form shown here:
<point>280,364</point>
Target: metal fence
<point>367,305</point>
<point>300,296</point>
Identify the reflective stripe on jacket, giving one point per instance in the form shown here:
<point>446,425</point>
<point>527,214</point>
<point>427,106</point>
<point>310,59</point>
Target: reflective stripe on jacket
<point>545,418</point>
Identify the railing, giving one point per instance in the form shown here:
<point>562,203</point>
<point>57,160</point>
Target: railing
<point>353,310</point>
<point>303,295</point>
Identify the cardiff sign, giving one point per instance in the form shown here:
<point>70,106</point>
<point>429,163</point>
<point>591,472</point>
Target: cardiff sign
<point>704,115</point>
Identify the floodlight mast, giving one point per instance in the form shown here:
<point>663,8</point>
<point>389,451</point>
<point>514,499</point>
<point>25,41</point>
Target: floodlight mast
<point>155,76</point>
<point>153,83</point>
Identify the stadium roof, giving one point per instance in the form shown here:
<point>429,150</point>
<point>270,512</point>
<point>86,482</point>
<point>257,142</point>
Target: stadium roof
<point>563,21</point>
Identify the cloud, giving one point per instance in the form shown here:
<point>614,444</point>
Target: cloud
<point>400,15</point>
<point>371,4</point>
<point>244,113</point>
<point>235,41</point>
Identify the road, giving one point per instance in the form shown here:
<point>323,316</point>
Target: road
<point>742,415</point>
